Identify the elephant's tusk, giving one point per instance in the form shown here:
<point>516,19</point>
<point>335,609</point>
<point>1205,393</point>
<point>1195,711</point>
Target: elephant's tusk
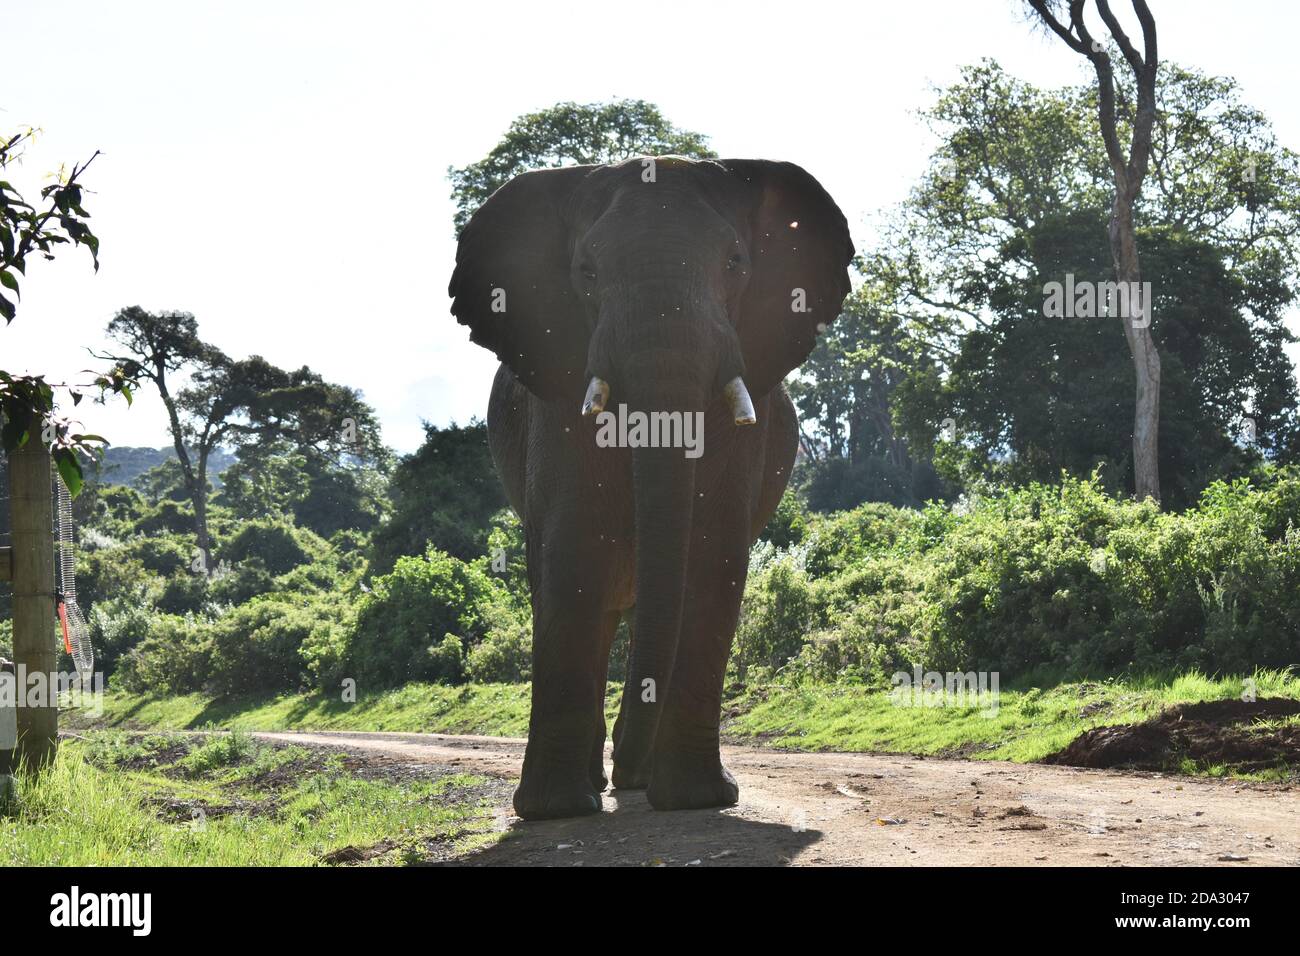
<point>597,396</point>
<point>742,406</point>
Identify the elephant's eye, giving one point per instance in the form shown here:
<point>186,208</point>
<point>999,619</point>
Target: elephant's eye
<point>734,261</point>
<point>589,273</point>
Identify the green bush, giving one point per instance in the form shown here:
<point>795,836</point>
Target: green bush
<point>505,655</point>
<point>413,609</point>
<point>183,593</point>
<point>117,625</point>
<point>168,516</point>
<point>277,544</point>
<point>1063,577</point>
<point>324,651</point>
<point>173,659</point>
<point>168,555</point>
<point>445,661</point>
<point>788,524</point>
<point>258,647</point>
<point>776,617</point>
<point>237,583</point>
<point>837,542</point>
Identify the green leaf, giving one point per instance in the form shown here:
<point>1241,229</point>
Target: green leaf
<point>7,309</point>
<point>69,470</point>
<point>9,282</point>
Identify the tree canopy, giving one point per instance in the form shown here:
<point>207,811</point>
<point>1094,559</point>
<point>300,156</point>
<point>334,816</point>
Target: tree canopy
<point>1016,196</point>
<point>570,134</point>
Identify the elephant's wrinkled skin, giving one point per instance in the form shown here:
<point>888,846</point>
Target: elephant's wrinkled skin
<point>659,283</point>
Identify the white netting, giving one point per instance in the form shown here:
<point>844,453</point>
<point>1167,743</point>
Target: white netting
<point>78,633</point>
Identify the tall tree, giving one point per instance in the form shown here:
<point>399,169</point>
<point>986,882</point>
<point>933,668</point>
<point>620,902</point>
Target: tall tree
<point>569,134</point>
<point>251,403</point>
<point>1128,172</point>
<point>238,403</point>
<point>1018,194</point>
<point>160,346</point>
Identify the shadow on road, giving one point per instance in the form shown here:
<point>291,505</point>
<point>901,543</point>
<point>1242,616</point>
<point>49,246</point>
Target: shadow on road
<point>630,833</point>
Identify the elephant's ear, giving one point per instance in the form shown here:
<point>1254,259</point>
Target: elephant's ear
<point>799,254</point>
<point>511,285</point>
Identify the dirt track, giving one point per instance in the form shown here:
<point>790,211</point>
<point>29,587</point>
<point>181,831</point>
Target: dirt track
<point>867,809</point>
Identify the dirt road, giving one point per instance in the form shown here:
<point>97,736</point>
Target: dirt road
<point>867,809</point>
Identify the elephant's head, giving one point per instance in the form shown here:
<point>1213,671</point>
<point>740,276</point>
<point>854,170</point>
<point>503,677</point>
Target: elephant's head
<point>665,284</point>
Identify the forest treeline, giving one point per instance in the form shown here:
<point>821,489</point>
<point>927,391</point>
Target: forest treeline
<point>964,493</point>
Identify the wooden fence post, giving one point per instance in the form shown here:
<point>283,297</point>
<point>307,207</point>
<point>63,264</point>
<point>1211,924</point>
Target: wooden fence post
<point>32,559</point>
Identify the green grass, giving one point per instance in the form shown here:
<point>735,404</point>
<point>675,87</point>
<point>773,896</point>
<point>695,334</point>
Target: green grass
<point>86,812</point>
<point>1027,724</point>
<point>500,710</point>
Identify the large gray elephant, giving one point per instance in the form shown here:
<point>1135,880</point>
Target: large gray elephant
<point>644,314</point>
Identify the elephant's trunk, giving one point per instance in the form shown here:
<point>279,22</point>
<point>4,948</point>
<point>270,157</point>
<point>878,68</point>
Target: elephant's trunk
<point>663,483</point>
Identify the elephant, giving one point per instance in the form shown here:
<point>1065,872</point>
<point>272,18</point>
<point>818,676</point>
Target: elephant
<point>666,290</point>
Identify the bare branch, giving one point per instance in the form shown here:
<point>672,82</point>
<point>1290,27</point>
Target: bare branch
<point>1121,38</point>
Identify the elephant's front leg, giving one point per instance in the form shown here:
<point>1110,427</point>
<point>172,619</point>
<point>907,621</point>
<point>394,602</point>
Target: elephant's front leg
<point>570,627</point>
<point>687,771</point>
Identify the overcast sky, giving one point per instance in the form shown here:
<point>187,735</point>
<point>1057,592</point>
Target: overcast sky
<point>279,169</point>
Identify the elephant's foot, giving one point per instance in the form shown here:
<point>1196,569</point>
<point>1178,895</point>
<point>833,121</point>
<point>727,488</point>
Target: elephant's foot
<point>549,796</point>
<point>630,778</point>
<point>682,782</point>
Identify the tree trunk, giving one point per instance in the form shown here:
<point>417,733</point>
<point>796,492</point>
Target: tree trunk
<point>197,486</point>
<point>199,496</point>
<point>1142,347</point>
<point>32,532</point>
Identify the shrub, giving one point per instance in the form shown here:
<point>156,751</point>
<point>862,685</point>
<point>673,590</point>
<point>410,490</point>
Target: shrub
<point>173,659</point>
<point>1065,579</point>
<point>413,608</point>
<point>117,625</point>
<point>257,647</point>
<point>176,517</point>
<point>324,651</point>
<point>240,582</point>
<point>776,617</point>
<point>505,655</point>
<point>839,541</point>
<point>168,555</point>
<point>277,544</point>
<point>183,593</point>
<point>445,661</point>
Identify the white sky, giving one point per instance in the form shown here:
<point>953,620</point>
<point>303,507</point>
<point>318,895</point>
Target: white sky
<point>278,169</point>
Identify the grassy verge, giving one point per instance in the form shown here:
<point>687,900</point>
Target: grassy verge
<point>1026,725</point>
<point>499,710</point>
<point>120,800</point>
